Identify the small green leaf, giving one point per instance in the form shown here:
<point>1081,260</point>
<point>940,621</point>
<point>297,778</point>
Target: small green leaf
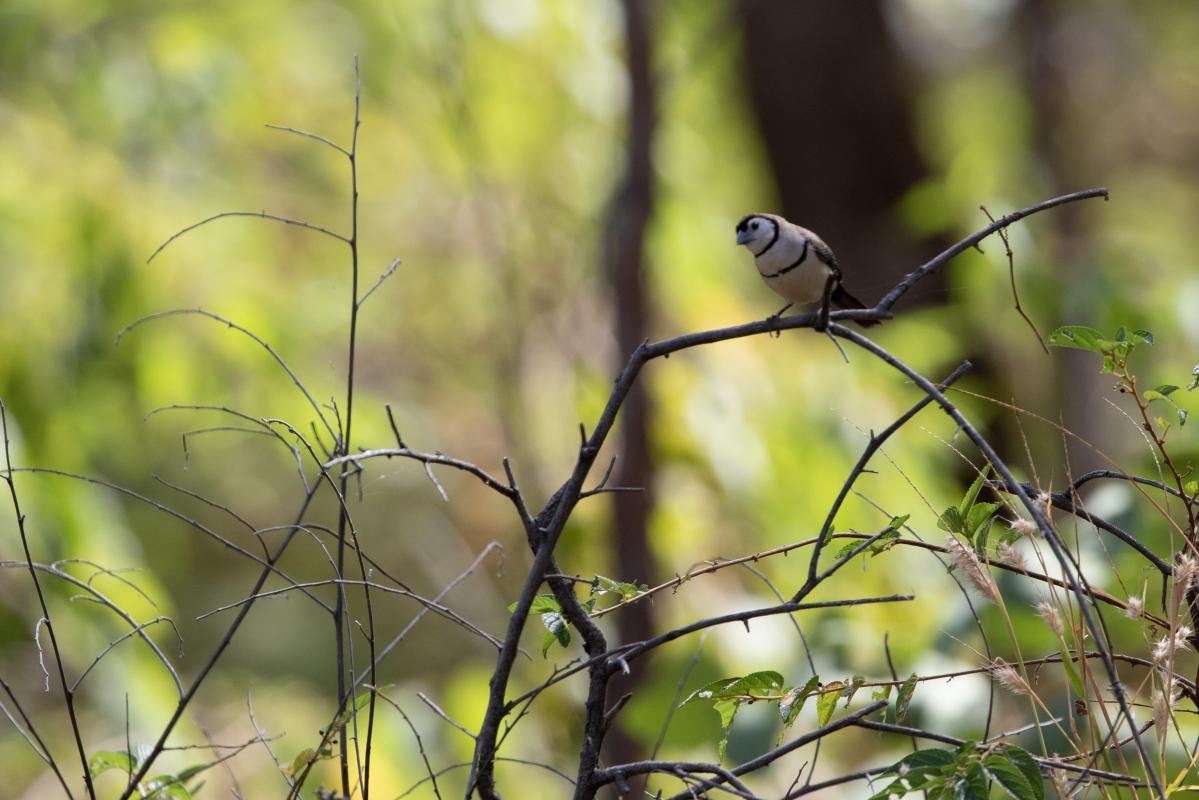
<point>556,630</point>
<point>1077,336</point>
<point>904,698</point>
<point>727,709</point>
<point>792,703</point>
<point>1192,487</point>
<point>626,591</point>
<point>919,770</point>
<point>826,702</point>
<point>191,772</point>
<point>541,604</point>
<point>302,759</point>
<point>980,538</point>
<point>855,683</point>
<point>105,760</point>
<point>1024,762</point>
<point>1072,673</point>
<point>1166,389</point>
<point>1142,336</point>
<point>166,787</point>
<point>972,493</point>
<point>1008,777</point>
<point>973,785</point>
<point>899,521</point>
<point>950,520</point>
<point>1182,417</point>
<point>978,516</point>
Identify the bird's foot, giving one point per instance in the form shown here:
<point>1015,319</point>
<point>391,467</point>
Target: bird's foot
<point>777,316</point>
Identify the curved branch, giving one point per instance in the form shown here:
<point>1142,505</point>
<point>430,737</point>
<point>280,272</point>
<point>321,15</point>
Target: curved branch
<point>923,271</point>
<point>261,214</point>
<point>176,312</point>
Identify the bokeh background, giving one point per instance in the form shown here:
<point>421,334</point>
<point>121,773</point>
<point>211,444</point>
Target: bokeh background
<point>561,180</point>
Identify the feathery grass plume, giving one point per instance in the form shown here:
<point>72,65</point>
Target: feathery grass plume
<point>967,562</point>
<point>1185,569</point>
<point>1007,677</point>
<point>1061,784</point>
<point>1048,612</point>
<point>1161,712</point>
<point>1135,608</point>
<point>1009,555</point>
<point>1025,527</point>
<point>1165,647</point>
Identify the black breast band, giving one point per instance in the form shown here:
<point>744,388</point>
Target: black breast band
<point>791,266</point>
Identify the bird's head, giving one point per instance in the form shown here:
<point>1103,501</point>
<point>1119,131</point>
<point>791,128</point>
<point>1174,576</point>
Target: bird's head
<point>755,230</point>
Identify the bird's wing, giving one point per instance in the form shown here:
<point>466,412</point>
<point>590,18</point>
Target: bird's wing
<point>824,253</point>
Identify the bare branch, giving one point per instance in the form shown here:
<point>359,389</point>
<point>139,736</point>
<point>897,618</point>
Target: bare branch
<point>261,214</point>
<point>308,135</point>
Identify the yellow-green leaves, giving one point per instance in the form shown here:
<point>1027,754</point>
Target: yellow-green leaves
<point>1114,351</point>
<point>557,629</point>
<point>729,694</point>
<point>964,774</point>
<point>970,519</point>
<point>160,787</point>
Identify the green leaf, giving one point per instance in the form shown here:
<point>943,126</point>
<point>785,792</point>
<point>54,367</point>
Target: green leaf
<point>627,591</point>
<point>919,770</point>
<point>972,493</point>
<point>904,698</point>
<point>105,760</point>
<point>1142,336</point>
<point>882,544</point>
<point>1192,487</point>
<point>1182,417</point>
<point>728,694</point>
<point>1008,777</point>
<point>191,772</point>
<point>1166,389</point>
<point>304,758</point>
<point>1072,673</point>
<point>950,520</point>
<point>755,684</point>
<point>899,521</point>
<point>792,703</point>
<point>1024,762</point>
<point>826,702</point>
<point>980,538</point>
<point>1077,336</point>
<point>727,709</point>
<point>541,603</point>
<point>166,787</point>
<point>556,630</point>
<point>979,515</point>
<point>855,683</point>
<point>973,785</point>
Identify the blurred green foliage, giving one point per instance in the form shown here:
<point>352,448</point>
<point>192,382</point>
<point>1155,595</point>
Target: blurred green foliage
<point>491,132</point>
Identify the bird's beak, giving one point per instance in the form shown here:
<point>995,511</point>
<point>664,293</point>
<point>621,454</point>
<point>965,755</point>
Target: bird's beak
<point>743,237</point>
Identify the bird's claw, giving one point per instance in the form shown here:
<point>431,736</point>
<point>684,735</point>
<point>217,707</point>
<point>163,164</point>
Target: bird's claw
<point>775,317</point>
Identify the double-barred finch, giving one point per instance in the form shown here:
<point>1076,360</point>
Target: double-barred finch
<point>796,263</point>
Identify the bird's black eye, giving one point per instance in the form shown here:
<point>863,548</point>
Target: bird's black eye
<point>754,226</point>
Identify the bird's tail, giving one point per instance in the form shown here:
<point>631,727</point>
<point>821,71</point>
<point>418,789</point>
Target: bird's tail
<point>844,299</point>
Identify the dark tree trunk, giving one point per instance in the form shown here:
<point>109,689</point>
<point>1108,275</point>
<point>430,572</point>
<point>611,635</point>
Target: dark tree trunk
<point>826,82</point>
<point>623,254</point>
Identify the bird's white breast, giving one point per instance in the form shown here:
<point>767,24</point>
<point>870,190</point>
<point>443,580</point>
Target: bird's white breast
<point>805,283</point>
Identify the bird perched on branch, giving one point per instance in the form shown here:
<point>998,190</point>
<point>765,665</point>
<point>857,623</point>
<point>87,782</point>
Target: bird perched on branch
<point>797,264</point>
